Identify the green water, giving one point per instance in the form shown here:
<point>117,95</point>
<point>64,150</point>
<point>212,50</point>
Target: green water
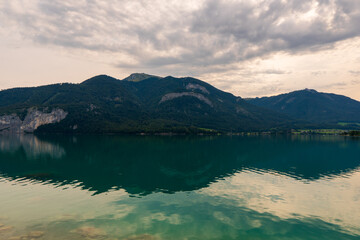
<point>111,187</point>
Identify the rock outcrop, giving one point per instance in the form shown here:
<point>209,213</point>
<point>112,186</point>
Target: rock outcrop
<point>192,86</point>
<point>199,96</point>
<point>34,119</point>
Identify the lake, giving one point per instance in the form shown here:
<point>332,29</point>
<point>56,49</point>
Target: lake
<point>179,187</point>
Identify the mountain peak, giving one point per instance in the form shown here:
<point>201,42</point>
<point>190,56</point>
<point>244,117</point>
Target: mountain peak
<point>100,79</point>
<point>137,77</point>
<point>310,90</point>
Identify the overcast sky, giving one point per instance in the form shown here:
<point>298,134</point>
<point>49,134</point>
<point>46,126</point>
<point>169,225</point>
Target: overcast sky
<point>247,47</point>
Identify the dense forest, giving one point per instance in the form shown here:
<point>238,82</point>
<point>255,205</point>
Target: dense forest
<point>143,103</point>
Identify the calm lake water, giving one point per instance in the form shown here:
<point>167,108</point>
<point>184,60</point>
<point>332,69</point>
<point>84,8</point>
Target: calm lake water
<point>111,187</point>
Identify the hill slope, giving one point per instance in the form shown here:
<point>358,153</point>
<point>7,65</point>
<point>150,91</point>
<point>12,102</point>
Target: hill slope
<point>141,103</point>
<point>313,106</point>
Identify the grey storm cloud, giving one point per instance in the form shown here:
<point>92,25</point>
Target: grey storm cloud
<point>158,33</point>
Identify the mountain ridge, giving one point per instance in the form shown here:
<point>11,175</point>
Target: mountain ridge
<point>313,106</point>
<point>103,104</point>
<point>143,103</point>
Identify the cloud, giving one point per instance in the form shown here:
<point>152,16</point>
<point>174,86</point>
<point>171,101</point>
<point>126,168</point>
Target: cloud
<point>272,71</point>
<point>169,34</point>
<point>318,73</point>
<point>337,85</point>
<point>355,73</point>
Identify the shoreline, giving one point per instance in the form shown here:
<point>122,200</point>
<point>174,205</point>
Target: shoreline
<point>300,132</point>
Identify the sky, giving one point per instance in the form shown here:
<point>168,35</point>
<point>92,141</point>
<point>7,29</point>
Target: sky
<point>247,47</point>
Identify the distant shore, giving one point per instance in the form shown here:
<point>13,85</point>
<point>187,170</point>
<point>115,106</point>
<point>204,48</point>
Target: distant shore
<point>211,132</point>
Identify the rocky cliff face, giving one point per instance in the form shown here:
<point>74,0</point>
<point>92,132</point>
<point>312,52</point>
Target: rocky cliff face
<point>34,118</point>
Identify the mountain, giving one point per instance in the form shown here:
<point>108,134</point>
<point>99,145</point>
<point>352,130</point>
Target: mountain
<point>137,77</point>
<point>313,106</point>
<point>139,103</point>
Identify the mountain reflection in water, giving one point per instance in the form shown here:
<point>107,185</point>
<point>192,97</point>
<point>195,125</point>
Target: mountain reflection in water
<point>148,187</point>
<point>142,165</point>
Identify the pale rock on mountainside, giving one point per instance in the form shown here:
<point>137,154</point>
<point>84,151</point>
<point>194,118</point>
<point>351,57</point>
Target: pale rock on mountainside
<point>34,119</point>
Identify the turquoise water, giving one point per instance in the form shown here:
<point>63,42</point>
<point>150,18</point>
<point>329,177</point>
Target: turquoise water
<point>140,187</point>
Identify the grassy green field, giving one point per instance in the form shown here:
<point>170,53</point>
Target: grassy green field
<point>326,132</point>
<point>319,131</point>
<point>344,124</point>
